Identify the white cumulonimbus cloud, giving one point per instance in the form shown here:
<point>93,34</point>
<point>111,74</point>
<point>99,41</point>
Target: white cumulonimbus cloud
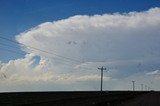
<point>126,43</point>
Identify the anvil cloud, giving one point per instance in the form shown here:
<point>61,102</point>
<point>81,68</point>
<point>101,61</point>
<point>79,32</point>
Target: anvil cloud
<point>126,43</point>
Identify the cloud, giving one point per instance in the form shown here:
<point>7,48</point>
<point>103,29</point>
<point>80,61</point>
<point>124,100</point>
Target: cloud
<point>153,72</point>
<point>125,43</point>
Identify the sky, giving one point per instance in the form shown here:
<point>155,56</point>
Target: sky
<point>52,45</point>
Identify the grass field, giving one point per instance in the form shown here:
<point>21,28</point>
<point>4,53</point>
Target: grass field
<point>81,98</point>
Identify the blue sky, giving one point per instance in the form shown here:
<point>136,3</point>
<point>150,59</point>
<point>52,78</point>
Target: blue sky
<point>20,15</point>
<point>97,32</point>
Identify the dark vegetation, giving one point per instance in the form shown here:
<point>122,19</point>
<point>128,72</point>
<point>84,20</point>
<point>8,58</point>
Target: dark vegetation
<point>81,98</point>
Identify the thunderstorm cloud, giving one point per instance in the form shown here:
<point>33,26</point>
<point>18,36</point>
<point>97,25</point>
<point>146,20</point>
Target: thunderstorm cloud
<point>70,50</point>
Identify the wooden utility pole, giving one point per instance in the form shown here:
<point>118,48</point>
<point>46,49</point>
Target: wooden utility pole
<point>102,68</point>
<point>141,87</point>
<point>133,85</point>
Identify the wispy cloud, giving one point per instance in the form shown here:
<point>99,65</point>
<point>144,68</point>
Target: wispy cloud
<point>156,72</point>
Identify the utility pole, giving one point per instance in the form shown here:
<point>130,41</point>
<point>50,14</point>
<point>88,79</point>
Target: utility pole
<point>146,87</point>
<point>102,68</point>
<point>141,87</point>
<point>133,85</point>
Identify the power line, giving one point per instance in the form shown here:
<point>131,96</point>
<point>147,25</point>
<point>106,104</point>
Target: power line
<point>15,52</point>
<point>67,58</point>
<point>22,54</point>
<point>12,51</point>
<point>2,44</point>
<point>39,49</point>
<point>8,45</point>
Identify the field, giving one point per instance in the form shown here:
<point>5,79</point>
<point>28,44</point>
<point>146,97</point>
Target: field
<point>81,98</point>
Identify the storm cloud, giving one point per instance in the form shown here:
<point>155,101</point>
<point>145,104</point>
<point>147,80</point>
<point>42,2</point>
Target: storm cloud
<point>127,44</point>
